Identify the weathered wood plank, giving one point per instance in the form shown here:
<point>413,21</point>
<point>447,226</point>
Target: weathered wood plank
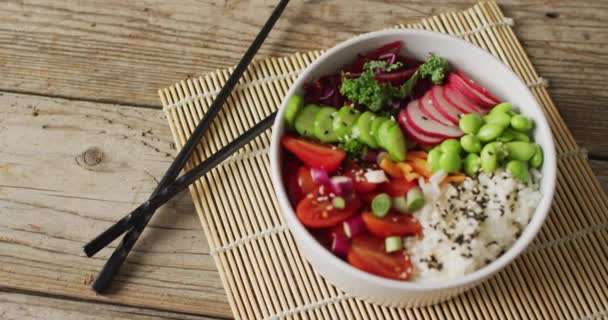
<point>67,171</point>
<point>601,170</point>
<point>19,306</point>
<point>124,50</point>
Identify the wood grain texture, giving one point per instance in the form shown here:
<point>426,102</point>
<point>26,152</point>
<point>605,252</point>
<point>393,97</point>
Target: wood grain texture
<point>600,168</point>
<point>18,306</point>
<point>70,169</point>
<point>123,51</point>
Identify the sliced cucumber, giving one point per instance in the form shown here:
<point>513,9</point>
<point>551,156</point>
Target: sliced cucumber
<point>364,124</point>
<point>343,122</point>
<point>395,143</point>
<point>294,105</point>
<point>375,126</point>
<point>324,130</point>
<point>305,121</point>
<point>381,132</point>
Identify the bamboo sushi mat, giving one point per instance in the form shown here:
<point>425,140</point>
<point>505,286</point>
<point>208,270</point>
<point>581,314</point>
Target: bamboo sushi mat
<point>562,275</point>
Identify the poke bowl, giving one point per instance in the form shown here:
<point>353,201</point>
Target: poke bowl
<point>410,166</point>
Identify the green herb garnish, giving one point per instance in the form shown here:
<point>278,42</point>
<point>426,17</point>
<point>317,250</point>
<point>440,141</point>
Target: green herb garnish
<point>383,65</point>
<point>353,148</point>
<point>365,90</point>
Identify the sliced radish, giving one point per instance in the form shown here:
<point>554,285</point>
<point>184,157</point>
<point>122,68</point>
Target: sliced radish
<point>445,108</point>
<point>467,90</point>
<point>416,136</point>
<point>459,101</point>
<point>420,123</point>
<point>428,109</point>
<point>479,88</point>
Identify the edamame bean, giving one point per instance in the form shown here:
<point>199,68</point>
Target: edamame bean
<point>519,150</point>
<point>518,169</point>
<point>505,107</point>
<point>521,123</point>
<point>517,136</point>
<point>501,151</point>
<point>489,132</point>
<point>450,162</point>
<point>498,117</point>
<point>537,159</point>
<point>450,145</point>
<point>472,164</point>
<point>470,123</point>
<point>433,158</point>
<point>506,136</point>
<point>489,158</point>
<point>470,143</point>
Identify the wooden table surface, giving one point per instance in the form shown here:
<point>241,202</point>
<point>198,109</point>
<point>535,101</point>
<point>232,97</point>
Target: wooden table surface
<point>83,140</point>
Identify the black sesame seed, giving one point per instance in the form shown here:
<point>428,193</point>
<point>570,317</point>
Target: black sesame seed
<point>424,118</point>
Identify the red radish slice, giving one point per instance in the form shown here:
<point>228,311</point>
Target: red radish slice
<point>419,138</point>
<point>445,108</point>
<point>461,85</point>
<point>459,101</point>
<point>477,87</point>
<point>429,127</point>
<point>428,109</point>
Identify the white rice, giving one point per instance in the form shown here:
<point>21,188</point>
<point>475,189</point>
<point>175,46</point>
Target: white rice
<point>469,225</point>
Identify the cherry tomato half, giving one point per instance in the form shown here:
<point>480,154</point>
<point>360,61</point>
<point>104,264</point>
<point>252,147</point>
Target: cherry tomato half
<point>305,182</point>
<point>393,224</point>
<point>367,253</point>
<point>397,187</point>
<point>356,173</point>
<point>318,212</point>
<point>314,154</point>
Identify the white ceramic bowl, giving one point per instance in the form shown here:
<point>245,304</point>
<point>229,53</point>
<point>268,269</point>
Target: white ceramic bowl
<point>482,67</point>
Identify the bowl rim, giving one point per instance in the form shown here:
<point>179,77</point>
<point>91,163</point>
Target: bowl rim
<point>529,233</point>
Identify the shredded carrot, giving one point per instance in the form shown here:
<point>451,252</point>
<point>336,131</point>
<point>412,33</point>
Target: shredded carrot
<point>421,166</point>
<point>417,154</point>
<point>391,168</point>
<point>456,178</point>
<point>412,176</point>
<point>405,167</point>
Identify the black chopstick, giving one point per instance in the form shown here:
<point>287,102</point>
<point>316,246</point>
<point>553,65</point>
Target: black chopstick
<point>124,224</point>
<point>167,192</point>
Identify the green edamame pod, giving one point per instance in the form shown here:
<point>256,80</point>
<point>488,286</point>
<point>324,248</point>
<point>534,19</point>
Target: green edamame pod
<point>489,158</point>
<point>537,159</point>
<point>489,132</point>
<point>470,143</point>
<point>521,123</point>
<point>472,164</point>
<point>499,118</point>
<point>450,162</point>
<point>505,107</point>
<point>470,123</point>
<point>519,150</point>
<point>518,169</point>
<point>433,158</point>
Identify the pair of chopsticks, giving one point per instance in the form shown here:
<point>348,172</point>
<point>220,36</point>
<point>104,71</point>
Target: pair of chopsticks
<point>135,222</point>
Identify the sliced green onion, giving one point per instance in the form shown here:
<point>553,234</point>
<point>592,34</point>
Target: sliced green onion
<point>381,204</point>
<point>392,244</point>
<point>339,203</point>
<point>415,199</point>
<point>399,204</point>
